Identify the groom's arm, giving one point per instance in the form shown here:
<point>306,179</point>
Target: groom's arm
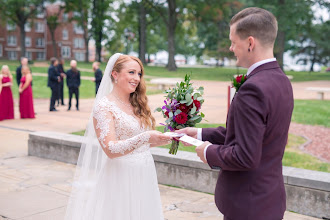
<point>250,118</point>
<point>214,135</point>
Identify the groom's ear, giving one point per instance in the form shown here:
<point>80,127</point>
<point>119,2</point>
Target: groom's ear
<point>252,43</point>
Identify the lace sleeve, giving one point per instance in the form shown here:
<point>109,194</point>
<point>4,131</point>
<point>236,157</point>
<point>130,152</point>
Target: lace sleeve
<point>104,124</point>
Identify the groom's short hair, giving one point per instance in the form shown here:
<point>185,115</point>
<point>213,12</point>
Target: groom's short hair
<point>256,22</point>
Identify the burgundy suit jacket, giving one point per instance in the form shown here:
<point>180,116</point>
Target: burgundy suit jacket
<point>250,149</point>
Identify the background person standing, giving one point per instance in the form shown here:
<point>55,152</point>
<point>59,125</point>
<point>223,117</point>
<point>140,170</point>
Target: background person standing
<point>60,69</point>
<point>6,95</point>
<point>73,83</point>
<point>24,61</point>
<point>53,82</point>
<point>98,75</point>
<point>25,94</point>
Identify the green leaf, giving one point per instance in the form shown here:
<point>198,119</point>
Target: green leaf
<point>183,101</point>
<point>195,117</point>
<point>202,115</point>
<point>177,112</point>
<point>198,120</point>
<point>170,114</point>
<point>188,97</point>
<point>199,98</point>
<point>158,109</point>
<point>193,110</point>
<point>189,103</point>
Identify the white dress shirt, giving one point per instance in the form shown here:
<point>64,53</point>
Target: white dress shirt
<point>251,68</point>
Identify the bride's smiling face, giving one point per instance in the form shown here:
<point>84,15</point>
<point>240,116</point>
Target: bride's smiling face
<point>129,76</point>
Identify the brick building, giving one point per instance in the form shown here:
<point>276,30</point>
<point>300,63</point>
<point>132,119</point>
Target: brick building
<point>70,43</point>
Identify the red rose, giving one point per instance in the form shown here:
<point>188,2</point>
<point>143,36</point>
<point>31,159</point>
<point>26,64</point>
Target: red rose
<point>197,104</point>
<point>166,113</point>
<point>184,108</point>
<point>239,78</point>
<point>181,118</point>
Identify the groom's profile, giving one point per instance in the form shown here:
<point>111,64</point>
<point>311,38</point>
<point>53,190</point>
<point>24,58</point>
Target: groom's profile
<point>249,151</point>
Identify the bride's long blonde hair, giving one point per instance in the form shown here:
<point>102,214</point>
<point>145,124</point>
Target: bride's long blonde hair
<point>138,98</point>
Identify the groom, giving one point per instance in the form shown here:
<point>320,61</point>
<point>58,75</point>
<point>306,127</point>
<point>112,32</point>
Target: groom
<point>249,151</point>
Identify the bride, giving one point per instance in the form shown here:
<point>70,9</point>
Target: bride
<point>115,176</point>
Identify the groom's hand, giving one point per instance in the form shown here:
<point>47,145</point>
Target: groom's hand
<point>192,132</point>
<point>200,151</point>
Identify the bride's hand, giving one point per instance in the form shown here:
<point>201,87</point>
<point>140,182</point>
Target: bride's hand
<point>157,138</point>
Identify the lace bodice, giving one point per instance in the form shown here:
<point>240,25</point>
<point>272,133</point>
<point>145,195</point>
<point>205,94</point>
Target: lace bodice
<point>118,131</point>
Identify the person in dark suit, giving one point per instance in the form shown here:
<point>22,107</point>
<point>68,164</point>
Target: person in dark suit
<point>60,69</point>
<point>24,62</point>
<point>73,83</point>
<point>249,151</point>
<point>53,82</point>
<point>98,75</point>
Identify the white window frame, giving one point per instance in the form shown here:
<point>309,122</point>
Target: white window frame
<point>65,17</point>
<point>77,28</point>
<point>66,51</point>
<point>78,43</point>
<point>41,56</point>
<point>65,34</point>
<point>1,51</point>
<point>11,40</point>
<point>12,55</point>
<point>28,42</point>
<point>27,27</point>
<point>79,56</point>
<point>11,26</point>
<point>40,27</point>
<point>40,42</point>
<point>28,54</point>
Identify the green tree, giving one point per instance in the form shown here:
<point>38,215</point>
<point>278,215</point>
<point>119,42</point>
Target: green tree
<point>314,45</point>
<point>100,13</point>
<point>213,27</point>
<point>82,7</point>
<point>53,22</point>
<point>19,12</point>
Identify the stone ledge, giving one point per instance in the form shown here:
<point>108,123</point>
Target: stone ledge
<point>308,192</point>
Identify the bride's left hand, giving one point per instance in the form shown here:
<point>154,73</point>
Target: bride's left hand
<point>157,138</point>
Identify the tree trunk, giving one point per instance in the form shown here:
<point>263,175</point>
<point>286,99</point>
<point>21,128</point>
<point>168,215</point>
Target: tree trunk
<point>22,39</point>
<point>142,33</point>
<point>52,34</point>
<point>171,25</point>
<point>280,48</point>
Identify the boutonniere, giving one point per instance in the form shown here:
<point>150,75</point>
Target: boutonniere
<point>238,81</point>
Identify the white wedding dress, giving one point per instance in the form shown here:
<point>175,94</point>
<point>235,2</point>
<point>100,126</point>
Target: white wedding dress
<point>126,187</point>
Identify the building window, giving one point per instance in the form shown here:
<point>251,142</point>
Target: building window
<point>66,52</point>
<point>11,40</point>
<point>40,27</point>
<point>40,14</point>
<point>1,53</point>
<point>65,34</point>
<point>27,27</point>
<point>78,43</point>
<point>12,55</point>
<point>40,42</point>
<point>79,56</point>
<point>28,55</point>
<point>41,56</point>
<point>65,17</point>
<point>11,26</point>
<point>28,42</point>
<point>78,29</point>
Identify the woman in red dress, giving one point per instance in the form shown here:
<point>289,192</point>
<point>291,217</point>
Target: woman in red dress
<point>25,94</point>
<point>6,95</point>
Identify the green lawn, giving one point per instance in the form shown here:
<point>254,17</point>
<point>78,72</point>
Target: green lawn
<point>213,73</point>
<point>312,112</point>
<point>293,156</point>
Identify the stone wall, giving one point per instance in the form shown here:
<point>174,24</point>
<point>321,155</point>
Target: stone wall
<point>308,192</point>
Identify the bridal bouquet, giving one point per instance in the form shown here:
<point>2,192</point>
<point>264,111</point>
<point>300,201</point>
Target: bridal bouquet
<point>182,108</point>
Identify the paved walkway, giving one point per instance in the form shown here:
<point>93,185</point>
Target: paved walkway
<point>33,188</point>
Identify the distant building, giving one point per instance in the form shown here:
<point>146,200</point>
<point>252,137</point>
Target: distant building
<point>69,39</point>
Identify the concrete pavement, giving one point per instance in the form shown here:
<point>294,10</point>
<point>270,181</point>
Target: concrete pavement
<point>33,188</point>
